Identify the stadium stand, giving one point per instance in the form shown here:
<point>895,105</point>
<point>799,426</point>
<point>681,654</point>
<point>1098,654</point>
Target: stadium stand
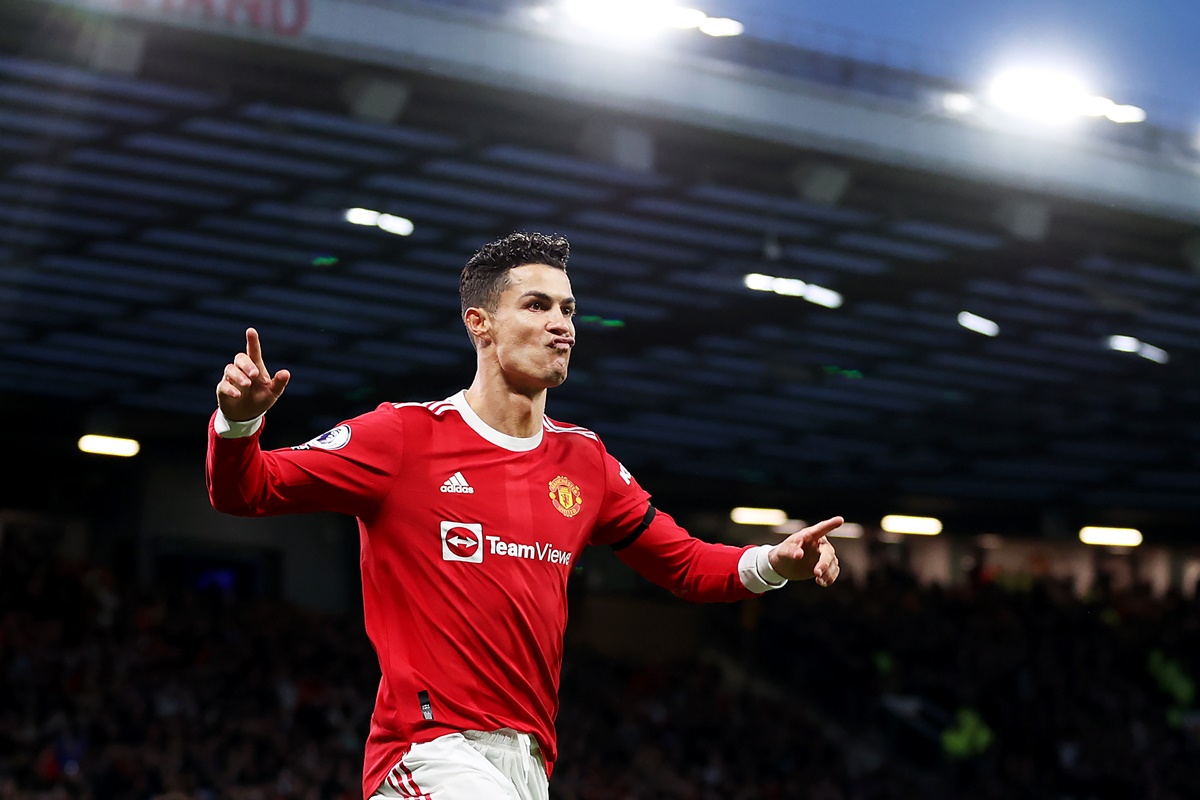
<point>889,689</point>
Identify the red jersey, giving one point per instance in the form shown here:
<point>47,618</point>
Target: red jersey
<point>468,537</point>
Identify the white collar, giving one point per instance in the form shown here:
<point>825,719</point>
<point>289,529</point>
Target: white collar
<point>516,444</point>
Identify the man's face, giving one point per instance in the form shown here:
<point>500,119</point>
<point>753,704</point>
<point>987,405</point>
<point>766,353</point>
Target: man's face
<point>533,327</point>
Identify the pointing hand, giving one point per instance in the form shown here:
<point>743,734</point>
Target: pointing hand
<point>247,389</point>
<point>808,554</point>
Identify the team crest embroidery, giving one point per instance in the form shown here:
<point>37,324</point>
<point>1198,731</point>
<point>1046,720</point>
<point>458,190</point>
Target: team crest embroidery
<point>566,496</point>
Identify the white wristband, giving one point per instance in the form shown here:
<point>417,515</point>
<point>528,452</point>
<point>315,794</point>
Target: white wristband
<point>234,429</point>
<point>754,568</point>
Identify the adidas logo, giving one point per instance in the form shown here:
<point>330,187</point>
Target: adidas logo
<point>457,484</point>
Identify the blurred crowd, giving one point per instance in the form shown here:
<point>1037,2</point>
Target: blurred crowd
<point>872,692</point>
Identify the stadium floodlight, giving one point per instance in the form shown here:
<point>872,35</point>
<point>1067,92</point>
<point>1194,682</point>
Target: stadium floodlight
<point>400,226</point>
<point>759,282</point>
<point>793,287</point>
<point>640,19</point>
<point>1103,107</point>
<point>1110,537</point>
<point>1054,97</point>
<point>721,26</point>
<point>1131,344</point>
<point>1126,114</point>
<point>958,103</point>
<point>1046,96</point>
<point>789,287</point>
<point>744,515</point>
<point>362,216</point>
<point>632,19</point>
<point>915,526</point>
<point>1155,354</point>
<point>974,322</point>
<point>109,445</point>
<point>1123,344</point>
<point>821,296</point>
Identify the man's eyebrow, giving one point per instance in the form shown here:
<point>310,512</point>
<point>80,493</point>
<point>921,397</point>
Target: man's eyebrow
<point>546,297</point>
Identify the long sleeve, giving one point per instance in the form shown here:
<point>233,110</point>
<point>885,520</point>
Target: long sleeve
<point>348,469</point>
<point>670,557</point>
<point>658,549</point>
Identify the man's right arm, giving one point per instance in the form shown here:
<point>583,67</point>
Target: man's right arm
<point>347,469</point>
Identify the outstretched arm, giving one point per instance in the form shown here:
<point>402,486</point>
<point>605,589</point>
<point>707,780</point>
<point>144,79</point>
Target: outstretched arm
<point>666,554</point>
<point>345,470</point>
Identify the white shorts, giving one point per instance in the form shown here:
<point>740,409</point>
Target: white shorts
<point>498,765</point>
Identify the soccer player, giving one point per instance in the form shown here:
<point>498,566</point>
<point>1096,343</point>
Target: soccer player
<point>471,511</point>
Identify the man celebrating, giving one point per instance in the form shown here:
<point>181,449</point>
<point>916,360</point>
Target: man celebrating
<point>471,511</point>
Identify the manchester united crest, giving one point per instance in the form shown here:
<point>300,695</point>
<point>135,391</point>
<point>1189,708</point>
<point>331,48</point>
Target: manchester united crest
<point>565,495</point>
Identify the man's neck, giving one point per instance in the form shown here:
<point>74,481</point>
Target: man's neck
<point>505,409</point>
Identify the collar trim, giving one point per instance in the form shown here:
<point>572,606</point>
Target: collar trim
<point>516,444</point>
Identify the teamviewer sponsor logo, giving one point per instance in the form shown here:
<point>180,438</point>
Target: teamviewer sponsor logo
<point>462,541</point>
<point>538,551</point>
<point>457,484</point>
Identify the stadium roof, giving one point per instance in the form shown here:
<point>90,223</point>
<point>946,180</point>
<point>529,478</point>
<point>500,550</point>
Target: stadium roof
<point>148,219</point>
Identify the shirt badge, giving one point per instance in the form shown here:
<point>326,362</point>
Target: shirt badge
<point>334,439</point>
<point>566,496</point>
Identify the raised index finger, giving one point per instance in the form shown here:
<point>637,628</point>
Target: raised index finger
<point>813,534</point>
<point>254,349</point>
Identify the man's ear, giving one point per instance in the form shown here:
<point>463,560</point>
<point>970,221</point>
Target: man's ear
<point>479,323</point>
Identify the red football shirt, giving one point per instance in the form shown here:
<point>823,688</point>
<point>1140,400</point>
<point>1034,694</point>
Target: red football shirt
<point>468,537</point>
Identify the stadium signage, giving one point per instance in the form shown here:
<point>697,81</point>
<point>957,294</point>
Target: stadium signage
<point>278,17</point>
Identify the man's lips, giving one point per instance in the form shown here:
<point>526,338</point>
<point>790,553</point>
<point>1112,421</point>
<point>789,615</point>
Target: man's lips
<point>563,343</point>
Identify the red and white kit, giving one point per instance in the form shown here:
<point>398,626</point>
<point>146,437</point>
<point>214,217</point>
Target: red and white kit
<point>468,537</point>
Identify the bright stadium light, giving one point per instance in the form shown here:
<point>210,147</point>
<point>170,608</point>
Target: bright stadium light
<point>1055,98</point>
<point>759,282</point>
<point>390,223</point>
<point>1039,95</point>
<point>914,526</point>
<point>639,19</point>
<point>362,216</point>
<point>1126,114</point>
<point>1123,344</point>
<point>821,296</point>
<point>1110,537</point>
<point>793,287</point>
<point>958,103</point>
<point>743,515</point>
<point>721,26</point>
<point>974,322</point>
<point>1103,107</point>
<point>397,225</point>
<point>109,445</point>
<point>1155,354</point>
<point>789,287</point>
<point>1131,344</point>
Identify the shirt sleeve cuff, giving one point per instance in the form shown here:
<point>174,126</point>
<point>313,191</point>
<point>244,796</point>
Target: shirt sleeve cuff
<point>233,429</point>
<point>754,567</point>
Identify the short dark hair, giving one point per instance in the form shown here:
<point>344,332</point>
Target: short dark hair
<point>485,276</point>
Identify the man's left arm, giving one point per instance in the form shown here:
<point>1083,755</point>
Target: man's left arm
<point>659,549</point>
